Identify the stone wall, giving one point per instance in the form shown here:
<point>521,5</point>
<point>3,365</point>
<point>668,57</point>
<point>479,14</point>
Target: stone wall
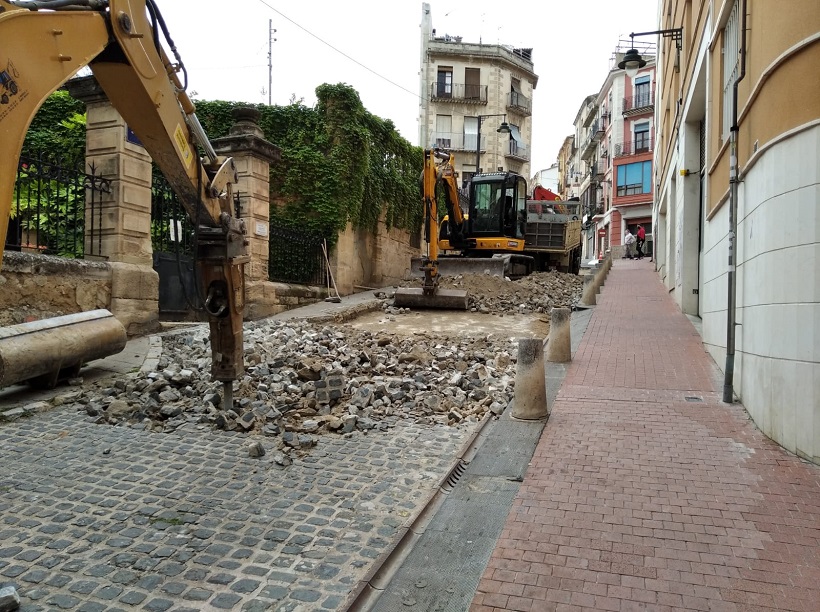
<point>34,287</point>
<point>361,259</point>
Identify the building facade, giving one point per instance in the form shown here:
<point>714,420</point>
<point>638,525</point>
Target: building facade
<point>613,163</point>
<point>736,224</point>
<point>467,90</point>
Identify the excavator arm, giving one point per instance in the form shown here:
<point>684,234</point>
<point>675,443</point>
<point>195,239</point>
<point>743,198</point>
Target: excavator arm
<point>49,41</point>
<point>438,171</point>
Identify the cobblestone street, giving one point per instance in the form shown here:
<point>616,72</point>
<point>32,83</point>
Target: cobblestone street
<point>96,518</point>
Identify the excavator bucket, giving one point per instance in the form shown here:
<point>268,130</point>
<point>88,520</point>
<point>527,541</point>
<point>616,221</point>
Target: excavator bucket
<point>414,297</point>
<point>453,266</point>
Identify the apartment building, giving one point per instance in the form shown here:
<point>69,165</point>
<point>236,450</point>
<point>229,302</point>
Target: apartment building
<point>737,229</point>
<point>613,161</point>
<point>467,91</point>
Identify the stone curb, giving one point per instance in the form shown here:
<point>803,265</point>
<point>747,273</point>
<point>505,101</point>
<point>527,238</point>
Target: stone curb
<point>365,596</point>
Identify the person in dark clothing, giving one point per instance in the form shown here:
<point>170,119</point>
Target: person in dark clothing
<point>639,242</point>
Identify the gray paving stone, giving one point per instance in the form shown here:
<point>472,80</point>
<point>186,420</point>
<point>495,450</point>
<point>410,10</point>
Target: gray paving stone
<point>63,602</point>
<point>197,594</point>
<point>132,598</point>
<point>158,605</point>
<point>274,536</point>
<point>109,592</point>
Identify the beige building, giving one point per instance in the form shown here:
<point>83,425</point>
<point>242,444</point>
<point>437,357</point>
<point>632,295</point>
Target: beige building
<point>467,91</point>
<point>565,158</point>
<point>737,169</point>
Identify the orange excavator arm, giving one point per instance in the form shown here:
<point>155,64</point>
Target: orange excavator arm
<point>49,41</point>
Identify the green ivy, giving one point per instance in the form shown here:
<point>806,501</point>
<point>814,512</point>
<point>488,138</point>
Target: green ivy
<point>340,164</point>
<point>59,125</point>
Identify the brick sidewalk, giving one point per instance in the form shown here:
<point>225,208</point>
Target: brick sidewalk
<point>646,492</point>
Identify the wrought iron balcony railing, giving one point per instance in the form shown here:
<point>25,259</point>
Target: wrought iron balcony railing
<point>456,141</point>
<point>458,92</point>
<point>519,103</point>
<point>518,150</point>
<point>596,132</point>
<point>635,147</point>
<point>641,102</point>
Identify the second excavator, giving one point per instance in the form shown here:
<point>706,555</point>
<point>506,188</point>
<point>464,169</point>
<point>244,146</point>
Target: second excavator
<point>438,176</point>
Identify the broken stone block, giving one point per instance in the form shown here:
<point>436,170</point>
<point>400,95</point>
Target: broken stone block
<point>9,599</point>
<point>255,449</point>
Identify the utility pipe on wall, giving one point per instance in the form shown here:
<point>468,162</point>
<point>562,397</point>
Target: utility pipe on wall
<point>731,306</point>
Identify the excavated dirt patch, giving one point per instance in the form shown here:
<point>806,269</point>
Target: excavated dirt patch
<point>459,324</point>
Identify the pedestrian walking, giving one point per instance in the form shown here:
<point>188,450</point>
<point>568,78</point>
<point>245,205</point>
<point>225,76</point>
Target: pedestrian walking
<point>640,240</point>
<point>629,240</point>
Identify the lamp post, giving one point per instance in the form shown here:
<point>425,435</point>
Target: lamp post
<point>633,61</point>
<point>504,128</point>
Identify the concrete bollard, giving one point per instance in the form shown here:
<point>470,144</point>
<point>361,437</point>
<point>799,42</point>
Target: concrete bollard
<point>559,348</point>
<point>530,401</point>
<point>588,292</point>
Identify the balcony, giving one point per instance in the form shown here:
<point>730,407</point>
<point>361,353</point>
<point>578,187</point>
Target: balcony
<point>643,102</point>
<point>458,93</point>
<point>635,147</point>
<point>519,103</point>
<point>590,145</point>
<point>592,113</point>
<point>456,141</point>
<point>517,150</point>
<point>597,170</point>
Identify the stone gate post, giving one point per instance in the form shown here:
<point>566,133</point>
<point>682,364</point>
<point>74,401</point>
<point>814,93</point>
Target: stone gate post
<point>122,224</point>
<point>253,156</point>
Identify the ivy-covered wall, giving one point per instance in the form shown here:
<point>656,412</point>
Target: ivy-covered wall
<point>340,164</point>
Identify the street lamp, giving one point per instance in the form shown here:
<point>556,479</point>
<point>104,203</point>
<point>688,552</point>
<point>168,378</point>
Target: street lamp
<point>504,128</point>
<point>633,61</point>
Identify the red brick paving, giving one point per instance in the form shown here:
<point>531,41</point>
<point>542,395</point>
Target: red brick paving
<point>637,499</point>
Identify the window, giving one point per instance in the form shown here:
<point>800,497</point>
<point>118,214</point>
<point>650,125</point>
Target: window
<point>634,178</point>
<point>444,127</point>
<point>444,82</point>
<point>472,83</point>
<point>731,61</point>
<point>470,133</point>
<point>643,93</point>
<point>642,143</point>
<point>485,217</point>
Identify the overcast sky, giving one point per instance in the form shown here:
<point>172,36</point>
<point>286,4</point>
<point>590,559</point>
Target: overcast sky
<point>374,46</point>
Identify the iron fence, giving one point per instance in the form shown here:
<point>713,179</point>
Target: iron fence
<point>296,257</point>
<point>56,207</point>
<point>171,229</point>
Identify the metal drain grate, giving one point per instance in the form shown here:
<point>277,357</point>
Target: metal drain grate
<point>693,398</point>
<point>454,476</point>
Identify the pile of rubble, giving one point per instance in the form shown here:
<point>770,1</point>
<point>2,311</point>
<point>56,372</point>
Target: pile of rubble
<point>539,292</point>
<point>304,380</point>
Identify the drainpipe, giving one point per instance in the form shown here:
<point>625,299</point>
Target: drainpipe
<point>731,314</point>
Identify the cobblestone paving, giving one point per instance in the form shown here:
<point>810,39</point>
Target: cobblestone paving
<point>99,518</point>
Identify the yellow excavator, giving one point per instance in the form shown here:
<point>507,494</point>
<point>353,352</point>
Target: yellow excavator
<point>48,42</point>
<point>437,174</point>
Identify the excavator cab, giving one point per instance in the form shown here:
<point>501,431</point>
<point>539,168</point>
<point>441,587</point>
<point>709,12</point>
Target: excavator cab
<point>498,206</point>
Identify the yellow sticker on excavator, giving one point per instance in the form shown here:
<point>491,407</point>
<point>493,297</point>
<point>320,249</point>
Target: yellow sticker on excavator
<point>184,148</point>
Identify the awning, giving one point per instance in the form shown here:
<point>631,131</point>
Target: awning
<point>516,135</point>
